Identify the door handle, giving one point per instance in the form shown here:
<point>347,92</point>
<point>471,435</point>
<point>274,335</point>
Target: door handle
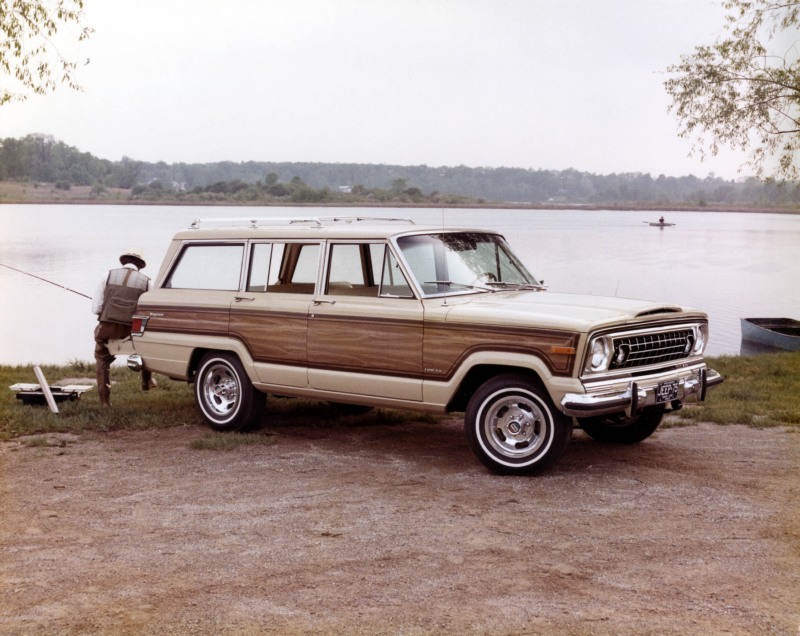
<point>320,301</point>
<point>241,298</point>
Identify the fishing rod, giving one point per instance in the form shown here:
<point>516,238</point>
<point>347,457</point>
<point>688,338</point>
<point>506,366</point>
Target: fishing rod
<point>45,280</point>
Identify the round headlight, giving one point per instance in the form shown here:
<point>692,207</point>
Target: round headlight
<point>701,338</point>
<point>598,359</point>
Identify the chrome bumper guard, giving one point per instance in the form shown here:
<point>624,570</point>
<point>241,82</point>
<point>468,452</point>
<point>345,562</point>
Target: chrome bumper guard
<point>637,395</point>
<point>135,363</point>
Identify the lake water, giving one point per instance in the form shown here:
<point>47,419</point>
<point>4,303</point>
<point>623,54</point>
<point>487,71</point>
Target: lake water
<point>730,265</point>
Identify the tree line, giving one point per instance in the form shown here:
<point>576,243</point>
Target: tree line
<point>40,159</point>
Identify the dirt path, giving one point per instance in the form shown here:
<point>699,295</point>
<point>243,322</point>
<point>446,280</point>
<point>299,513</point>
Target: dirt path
<point>396,529</point>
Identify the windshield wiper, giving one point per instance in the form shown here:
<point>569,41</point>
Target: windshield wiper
<point>451,283</point>
<point>516,286</point>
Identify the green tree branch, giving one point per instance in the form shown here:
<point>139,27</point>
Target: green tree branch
<point>738,93</point>
<point>29,57</point>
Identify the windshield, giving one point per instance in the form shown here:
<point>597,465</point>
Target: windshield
<point>459,261</point>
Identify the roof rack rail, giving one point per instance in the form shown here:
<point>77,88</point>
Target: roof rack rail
<point>322,220</point>
<point>317,221</point>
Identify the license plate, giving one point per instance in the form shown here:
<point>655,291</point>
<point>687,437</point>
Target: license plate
<point>667,391</point>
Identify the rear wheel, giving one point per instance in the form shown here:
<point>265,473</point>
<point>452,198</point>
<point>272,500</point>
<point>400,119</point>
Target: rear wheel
<point>513,428</point>
<point>619,429</point>
<point>224,394</point>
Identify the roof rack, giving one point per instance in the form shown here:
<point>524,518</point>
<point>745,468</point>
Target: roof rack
<point>317,221</point>
<point>322,220</point>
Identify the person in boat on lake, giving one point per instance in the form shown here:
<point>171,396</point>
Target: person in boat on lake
<point>114,302</point>
<point>661,220</point>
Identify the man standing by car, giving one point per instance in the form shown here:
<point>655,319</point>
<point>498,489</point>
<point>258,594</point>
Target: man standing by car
<point>114,302</point>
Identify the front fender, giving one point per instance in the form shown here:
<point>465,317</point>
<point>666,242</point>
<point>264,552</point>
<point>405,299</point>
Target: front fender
<point>444,391</point>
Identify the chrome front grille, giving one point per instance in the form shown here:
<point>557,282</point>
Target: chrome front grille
<point>640,350</point>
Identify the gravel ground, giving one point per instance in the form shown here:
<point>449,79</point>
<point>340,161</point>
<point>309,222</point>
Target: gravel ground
<point>365,526</point>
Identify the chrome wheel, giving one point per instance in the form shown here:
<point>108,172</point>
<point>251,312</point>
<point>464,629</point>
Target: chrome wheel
<point>220,389</point>
<point>513,427</point>
<point>224,394</point>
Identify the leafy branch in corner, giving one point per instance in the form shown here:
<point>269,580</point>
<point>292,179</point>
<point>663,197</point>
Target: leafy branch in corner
<point>30,59</point>
<point>743,91</point>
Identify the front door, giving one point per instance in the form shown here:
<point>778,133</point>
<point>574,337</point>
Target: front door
<point>365,329</point>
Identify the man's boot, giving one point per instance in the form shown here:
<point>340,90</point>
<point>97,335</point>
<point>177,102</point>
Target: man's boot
<point>148,381</point>
<point>104,386</point>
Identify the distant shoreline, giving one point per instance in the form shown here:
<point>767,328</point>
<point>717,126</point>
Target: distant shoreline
<point>19,194</point>
<point>463,206</point>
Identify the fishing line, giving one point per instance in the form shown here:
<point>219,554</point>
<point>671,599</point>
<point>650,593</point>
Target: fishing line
<point>45,280</point>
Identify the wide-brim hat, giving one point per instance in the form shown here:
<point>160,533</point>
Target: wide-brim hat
<point>133,254</point>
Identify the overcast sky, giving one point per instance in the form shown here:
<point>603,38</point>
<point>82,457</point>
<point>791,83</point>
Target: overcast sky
<point>549,84</point>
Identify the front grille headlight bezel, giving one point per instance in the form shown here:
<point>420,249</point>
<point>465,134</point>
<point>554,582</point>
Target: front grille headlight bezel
<point>616,351</point>
<point>599,354</point>
<point>700,339</point>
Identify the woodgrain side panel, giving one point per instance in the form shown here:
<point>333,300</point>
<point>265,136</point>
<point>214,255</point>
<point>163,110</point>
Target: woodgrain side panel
<point>380,346</point>
<point>273,337</point>
<point>447,345</point>
<point>211,321</point>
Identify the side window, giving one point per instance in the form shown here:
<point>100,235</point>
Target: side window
<point>213,267</point>
<point>274,268</point>
<point>365,269</point>
<point>347,273</point>
<point>393,281</point>
<point>376,256</point>
<point>293,268</point>
<point>259,267</point>
<point>426,259</point>
<point>354,269</point>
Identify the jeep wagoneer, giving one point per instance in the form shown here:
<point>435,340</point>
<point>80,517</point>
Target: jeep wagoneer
<point>386,313</point>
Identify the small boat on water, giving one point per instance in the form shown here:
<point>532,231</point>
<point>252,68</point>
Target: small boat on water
<point>778,333</point>
<point>660,223</point>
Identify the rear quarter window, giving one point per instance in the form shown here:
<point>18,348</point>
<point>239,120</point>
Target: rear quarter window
<point>213,267</point>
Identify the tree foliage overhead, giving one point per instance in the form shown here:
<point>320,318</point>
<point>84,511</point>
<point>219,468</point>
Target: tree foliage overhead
<point>744,90</point>
<point>30,59</point>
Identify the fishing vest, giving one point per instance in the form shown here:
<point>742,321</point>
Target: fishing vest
<point>121,295</point>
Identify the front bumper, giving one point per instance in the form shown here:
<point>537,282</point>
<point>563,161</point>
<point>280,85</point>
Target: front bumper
<point>603,397</point>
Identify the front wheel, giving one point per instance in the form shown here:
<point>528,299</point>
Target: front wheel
<point>619,429</point>
<point>513,428</point>
<point>224,394</point>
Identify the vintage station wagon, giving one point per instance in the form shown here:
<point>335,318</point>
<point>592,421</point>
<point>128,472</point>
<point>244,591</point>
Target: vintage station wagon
<point>386,313</point>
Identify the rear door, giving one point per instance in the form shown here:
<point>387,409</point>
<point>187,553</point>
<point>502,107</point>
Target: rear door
<point>270,315</point>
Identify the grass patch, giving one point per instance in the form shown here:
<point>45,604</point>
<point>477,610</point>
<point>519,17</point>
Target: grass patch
<point>171,404</point>
<point>39,441</point>
<point>231,441</point>
<point>760,391</point>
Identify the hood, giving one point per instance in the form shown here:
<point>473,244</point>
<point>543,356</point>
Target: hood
<point>554,310</point>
